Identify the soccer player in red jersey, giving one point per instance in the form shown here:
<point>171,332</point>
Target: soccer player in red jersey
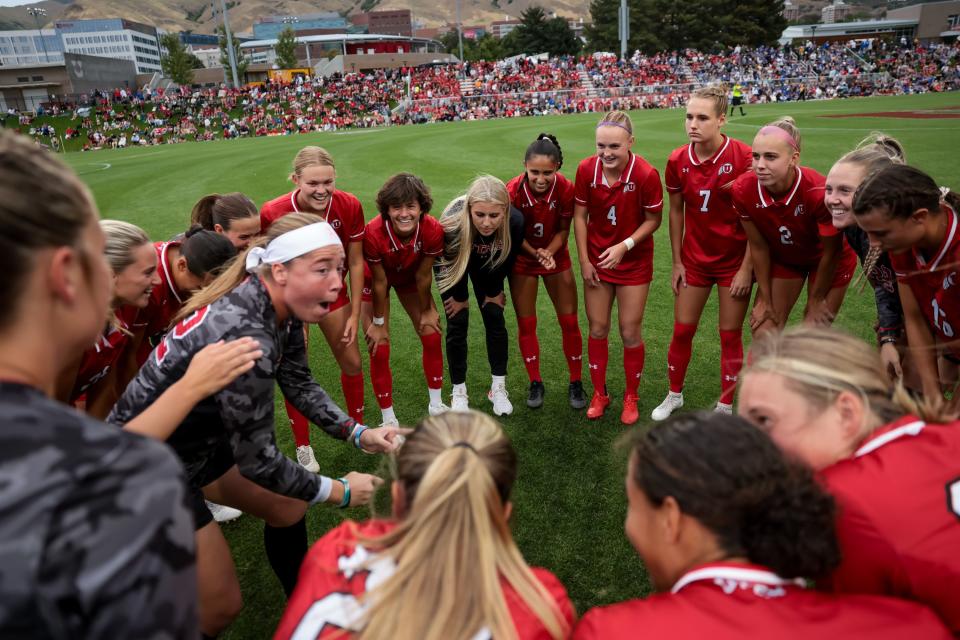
<point>708,243</point>
<point>545,197</point>
<point>232,214</point>
<point>133,260</point>
<point>904,212</point>
<point>893,464</point>
<point>618,206</point>
<point>728,528</point>
<point>315,177</point>
<point>791,236</point>
<point>183,266</point>
<point>448,544</point>
<point>400,246</point>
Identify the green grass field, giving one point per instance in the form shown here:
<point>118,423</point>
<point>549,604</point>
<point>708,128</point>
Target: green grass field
<point>569,502</point>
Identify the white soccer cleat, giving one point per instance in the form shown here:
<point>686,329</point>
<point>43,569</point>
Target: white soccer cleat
<point>436,408</point>
<point>723,408</point>
<point>222,513</point>
<point>671,403</point>
<point>501,400</point>
<point>306,458</point>
<point>390,423</point>
<point>458,401</point>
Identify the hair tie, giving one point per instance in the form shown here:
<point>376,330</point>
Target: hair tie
<point>610,123</point>
<point>944,192</point>
<point>464,444</point>
<point>783,134</point>
<point>293,244</point>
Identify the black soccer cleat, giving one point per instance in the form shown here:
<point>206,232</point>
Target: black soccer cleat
<point>578,399</point>
<point>535,396</point>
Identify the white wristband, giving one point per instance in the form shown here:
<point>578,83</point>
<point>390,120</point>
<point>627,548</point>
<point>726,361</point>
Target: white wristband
<point>630,243</point>
<point>378,321</point>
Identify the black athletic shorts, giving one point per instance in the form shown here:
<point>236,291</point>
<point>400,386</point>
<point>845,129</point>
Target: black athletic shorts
<point>203,472</point>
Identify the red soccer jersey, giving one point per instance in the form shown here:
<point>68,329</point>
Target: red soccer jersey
<point>791,225</point>
<point>401,260</point>
<point>931,282</point>
<point>899,515</point>
<point>337,570</point>
<point>713,238</point>
<point>732,601</point>
<point>344,213</point>
<point>98,359</point>
<point>615,211</point>
<point>542,215</point>
<point>165,301</point>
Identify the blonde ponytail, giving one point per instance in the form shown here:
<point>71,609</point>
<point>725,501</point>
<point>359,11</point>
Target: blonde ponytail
<point>236,272</point>
<point>453,547</point>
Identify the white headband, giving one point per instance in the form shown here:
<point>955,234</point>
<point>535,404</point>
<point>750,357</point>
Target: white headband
<point>293,244</point>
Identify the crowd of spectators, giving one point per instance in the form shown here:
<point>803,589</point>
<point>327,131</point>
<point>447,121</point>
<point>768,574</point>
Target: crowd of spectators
<point>481,90</point>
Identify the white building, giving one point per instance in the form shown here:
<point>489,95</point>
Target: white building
<point>30,47</point>
<point>209,56</point>
<point>113,38</point>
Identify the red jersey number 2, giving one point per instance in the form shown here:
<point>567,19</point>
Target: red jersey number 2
<point>182,329</point>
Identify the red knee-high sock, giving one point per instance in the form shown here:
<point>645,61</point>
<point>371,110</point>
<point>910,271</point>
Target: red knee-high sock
<point>597,352</point>
<point>381,376</point>
<point>572,344</point>
<point>298,424</point>
<point>432,359</point>
<point>353,394</point>
<point>678,356</point>
<point>529,346</point>
<point>633,367</point>
<point>731,360</point>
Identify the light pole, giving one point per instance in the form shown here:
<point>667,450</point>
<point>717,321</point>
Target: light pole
<point>36,12</point>
<point>459,32</point>
<point>231,56</point>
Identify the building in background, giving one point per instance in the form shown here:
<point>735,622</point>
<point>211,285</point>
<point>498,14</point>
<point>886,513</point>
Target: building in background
<point>269,27</point>
<point>26,87</point>
<point>936,21</point>
<point>397,22</point>
<point>791,12</point>
<point>113,38</point>
<point>500,28</point>
<point>29,46</point>
<point>837,11</point>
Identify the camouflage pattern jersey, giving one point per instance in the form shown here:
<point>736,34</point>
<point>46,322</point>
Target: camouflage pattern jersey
<point>96,539</point>
<point>241,414</point>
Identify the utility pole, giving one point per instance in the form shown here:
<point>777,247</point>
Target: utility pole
<point>459,31</point>
<point>230,53</point>
<point>624,30</point>
<point>36,12</point>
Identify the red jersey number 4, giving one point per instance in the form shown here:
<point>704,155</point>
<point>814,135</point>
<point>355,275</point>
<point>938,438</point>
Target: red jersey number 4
<point>181,330</point>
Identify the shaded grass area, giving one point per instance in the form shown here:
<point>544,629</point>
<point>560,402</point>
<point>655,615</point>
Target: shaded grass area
<point>569,501</point>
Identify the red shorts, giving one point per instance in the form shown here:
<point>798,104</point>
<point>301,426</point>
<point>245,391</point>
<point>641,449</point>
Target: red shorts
<point>841,278</point>
<point>697,277</point>
<point>343,299</point>
<point>639,273</point>
<point>528,266</point>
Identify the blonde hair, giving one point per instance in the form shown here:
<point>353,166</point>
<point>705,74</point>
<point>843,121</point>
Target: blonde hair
<point>453,547</point>
<point>236,271</point>
<point>789,125</point>
<point>458,224</point>
<point>820,363</point>
<point>716,92</point>
<point>311,156</point>
<point>873,153</point>
<point>617,119</point>
<point>43,204</point>
<point>122,238</point>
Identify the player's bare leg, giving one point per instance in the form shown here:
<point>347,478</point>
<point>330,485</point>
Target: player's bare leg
<point>432,355</point>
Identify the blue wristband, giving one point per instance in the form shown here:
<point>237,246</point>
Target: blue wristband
<point>357,432</point>
<point>346,493</point>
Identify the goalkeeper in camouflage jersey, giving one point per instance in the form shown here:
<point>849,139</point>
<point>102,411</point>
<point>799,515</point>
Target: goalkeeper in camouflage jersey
<point>227,442</point>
